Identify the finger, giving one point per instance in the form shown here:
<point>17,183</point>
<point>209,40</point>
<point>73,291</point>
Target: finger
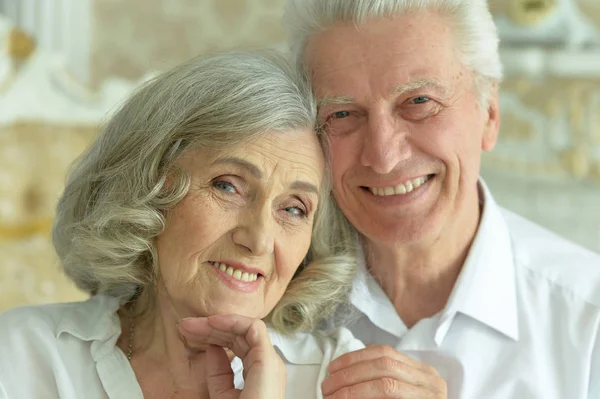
<point>254,330</point>
<point>264,374</point>
<point>195,342</point>
<point>375,352</point>
<point>384,388</point>
<point>199,331</point>
<point>238,333</point>
<point>219,376</point>
<point>211,336</point>
<point>377,369</point>
<point>231,323</point>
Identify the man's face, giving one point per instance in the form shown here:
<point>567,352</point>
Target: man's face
<point>405,125</point>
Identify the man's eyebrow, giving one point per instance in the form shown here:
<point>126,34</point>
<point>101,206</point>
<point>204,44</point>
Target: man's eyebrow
<point>341,100</point>
<point>399,90</point>
<point>418,84</point>
<point>250,167</point>
<point>304,186</point>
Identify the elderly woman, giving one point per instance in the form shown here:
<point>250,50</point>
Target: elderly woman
<point>201,210</point>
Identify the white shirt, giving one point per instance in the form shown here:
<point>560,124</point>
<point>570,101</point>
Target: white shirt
<point>523,320</point>
<point>69,351</point>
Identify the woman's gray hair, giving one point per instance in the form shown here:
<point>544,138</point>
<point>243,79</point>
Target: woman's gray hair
<point>116,196</point>
<point>474,29</point>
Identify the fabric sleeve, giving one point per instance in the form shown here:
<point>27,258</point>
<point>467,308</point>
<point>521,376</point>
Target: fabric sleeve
<point>340,341</point>
<point>594,378</point>
<point>3,394</point>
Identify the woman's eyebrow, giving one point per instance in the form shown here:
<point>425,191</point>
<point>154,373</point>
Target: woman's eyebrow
<point>250,167</point>
<point>256,172</point>
<point>304,186</point>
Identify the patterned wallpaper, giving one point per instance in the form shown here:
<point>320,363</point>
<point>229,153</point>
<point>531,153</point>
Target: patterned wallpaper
<point>167,32</point>
<point>546,166</point>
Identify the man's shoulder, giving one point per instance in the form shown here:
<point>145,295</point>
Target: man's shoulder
<point>548,257</point>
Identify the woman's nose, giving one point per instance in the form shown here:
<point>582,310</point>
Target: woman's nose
<point>256,233</point>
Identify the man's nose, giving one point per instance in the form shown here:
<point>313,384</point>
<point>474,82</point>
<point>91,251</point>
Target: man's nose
<point>255,234</point>
<point>385,143</point>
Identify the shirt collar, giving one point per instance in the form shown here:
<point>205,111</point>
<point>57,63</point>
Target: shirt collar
<point>96,320</point>
<point>299,348</point>
<point>369,298</point>
<point>101,309</point>
<point>485,289</point>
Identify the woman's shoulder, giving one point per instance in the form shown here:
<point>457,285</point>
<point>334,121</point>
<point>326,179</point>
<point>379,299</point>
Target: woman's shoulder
<point>319,347</point>
<point>49,320</point>
<point>44,346</point>
<point>38,316</point>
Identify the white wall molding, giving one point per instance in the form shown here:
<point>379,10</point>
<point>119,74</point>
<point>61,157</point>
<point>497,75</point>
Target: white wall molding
<point>60,27</point>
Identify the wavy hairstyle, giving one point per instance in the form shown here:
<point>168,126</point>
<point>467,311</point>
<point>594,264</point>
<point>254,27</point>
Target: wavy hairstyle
<point>116,195</point>
<point>473,28</point>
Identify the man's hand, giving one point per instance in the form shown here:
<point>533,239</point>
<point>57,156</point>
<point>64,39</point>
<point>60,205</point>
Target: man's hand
<point>248,339</point>
<point>381,372</point>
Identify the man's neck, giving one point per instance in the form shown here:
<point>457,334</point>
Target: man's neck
<point>419,278</point>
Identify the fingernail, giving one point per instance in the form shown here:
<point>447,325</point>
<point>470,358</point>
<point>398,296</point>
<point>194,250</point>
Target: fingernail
<point>181,323</point>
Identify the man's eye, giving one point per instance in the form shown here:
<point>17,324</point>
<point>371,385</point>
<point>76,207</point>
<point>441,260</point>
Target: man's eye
<point>340,114</point>
<point>420,100</point>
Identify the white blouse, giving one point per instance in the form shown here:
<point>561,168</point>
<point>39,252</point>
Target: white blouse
<point>69,351</point>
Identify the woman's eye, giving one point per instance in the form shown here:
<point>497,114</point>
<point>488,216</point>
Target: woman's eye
<point>420,100</point>
<point>224,186</point>
<point>295,211</point>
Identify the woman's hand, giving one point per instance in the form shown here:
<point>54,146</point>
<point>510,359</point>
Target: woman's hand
<point>247,338</point>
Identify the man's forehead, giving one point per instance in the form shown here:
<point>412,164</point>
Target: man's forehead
<point>344,47</point>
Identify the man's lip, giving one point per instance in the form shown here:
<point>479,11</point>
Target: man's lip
<point>239,266</point>
<point>395,182</point>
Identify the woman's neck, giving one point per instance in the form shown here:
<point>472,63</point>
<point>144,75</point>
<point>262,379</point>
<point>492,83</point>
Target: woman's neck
<point>158,356</point>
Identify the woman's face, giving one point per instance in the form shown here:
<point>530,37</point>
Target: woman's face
<point>234,242</point>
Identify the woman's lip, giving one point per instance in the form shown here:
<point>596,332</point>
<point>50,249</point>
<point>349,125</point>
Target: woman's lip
<point>238,285</point>
<point>240,266</point>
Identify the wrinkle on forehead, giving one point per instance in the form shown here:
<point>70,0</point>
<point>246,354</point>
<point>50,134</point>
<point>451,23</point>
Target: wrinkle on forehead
<point>372,44</point>
<point>302,162</point>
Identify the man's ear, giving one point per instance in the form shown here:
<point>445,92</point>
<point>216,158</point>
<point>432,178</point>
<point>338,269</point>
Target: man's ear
<point>492,125</point>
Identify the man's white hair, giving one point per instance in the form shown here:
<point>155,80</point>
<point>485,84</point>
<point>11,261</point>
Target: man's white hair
<point>471,22</point>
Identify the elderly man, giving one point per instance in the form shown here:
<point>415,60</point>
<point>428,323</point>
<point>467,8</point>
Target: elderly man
<point>452,283</point>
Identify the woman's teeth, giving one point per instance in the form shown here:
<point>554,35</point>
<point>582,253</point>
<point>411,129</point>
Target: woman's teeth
<point>236,273</point>
<point>400,189</point>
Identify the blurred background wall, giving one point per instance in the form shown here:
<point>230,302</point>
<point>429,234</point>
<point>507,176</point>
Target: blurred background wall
<point>66,64</point>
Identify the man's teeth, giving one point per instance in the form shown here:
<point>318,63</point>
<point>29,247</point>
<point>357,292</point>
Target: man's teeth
<point>235,273</point>
<point>400,188</point>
